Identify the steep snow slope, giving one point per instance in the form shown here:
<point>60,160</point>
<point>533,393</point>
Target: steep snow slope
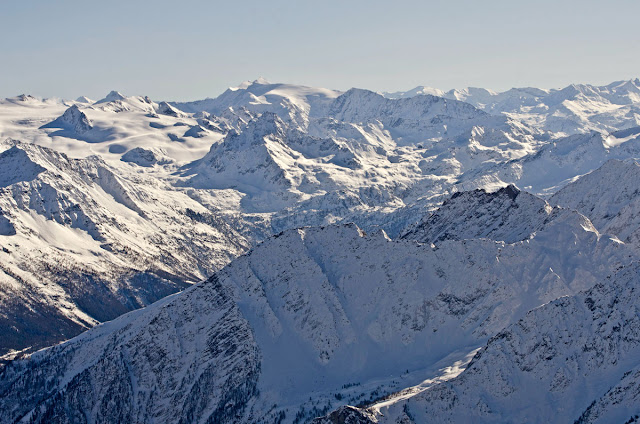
<point>81,244</point>
<point>575,358</point>
<point>307,318</point>
<point>181,360</point>
<point>73,120</point>
<point>609,197</point>
<point>222,174</point>
<point>557,163</point>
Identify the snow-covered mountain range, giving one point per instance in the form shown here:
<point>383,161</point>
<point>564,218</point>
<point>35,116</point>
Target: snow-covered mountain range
<point>572,360</point>
<point>302,316</point>
<point>574,109</point>
<point>475,215</point>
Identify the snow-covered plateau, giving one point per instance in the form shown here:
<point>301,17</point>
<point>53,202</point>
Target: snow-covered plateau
<point>283,254</point>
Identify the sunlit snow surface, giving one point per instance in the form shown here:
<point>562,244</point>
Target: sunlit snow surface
<point>108,206</point>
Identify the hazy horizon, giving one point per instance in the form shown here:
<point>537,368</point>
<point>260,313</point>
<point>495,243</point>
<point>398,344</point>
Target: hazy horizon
<point>195,49</point>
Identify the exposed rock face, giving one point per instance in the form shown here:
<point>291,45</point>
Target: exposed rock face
<point>83,245</point>
<point>347,415</point>
<point>580,352</point>
<point>302,315</point>
<point>141,156</point>
<point>74,120</point>
<point>508,215</point>
<point>165,108</point>
<point>99,217</point>
<point>192,359</point>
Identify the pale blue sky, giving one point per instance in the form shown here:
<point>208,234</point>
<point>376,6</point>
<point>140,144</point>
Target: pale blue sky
<point>186,49</point>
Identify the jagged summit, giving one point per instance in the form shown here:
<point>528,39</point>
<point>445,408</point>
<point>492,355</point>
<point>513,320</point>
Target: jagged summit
<point>306,314</point>
<point>25,98</point>
<point>17,165</point>
<point>74,120</point>
<point>265,125</point>
<point>165,108</point>
<point>510,190</point>
<point>77,119</point>
<point>253,160</point>
<point>507,214</point>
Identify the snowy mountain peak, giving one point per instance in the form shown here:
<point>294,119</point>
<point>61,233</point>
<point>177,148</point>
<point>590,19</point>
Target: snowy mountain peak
<point>631,86</point>
<point>113,96</point>
<point>508,215</point>
<point>293,103</point>
<point>253,160</point>
<point>25,98</point>
<point>574,109</point>
<point>420,90</point>
<point>261,81</point>
<point>77,119</point>
<point>258,130</point>
<point>17,165</point>
<point>242,86</point>
<point>117,102</point>
<point>246,84</point>
<point>426,118</point>
<point>303,317</point>
<point>266,124</point>
<point>84,99</point>
<point>510,191</point>
<point>480,95</point>
<point>73,120</point>
<point>165,108</point>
